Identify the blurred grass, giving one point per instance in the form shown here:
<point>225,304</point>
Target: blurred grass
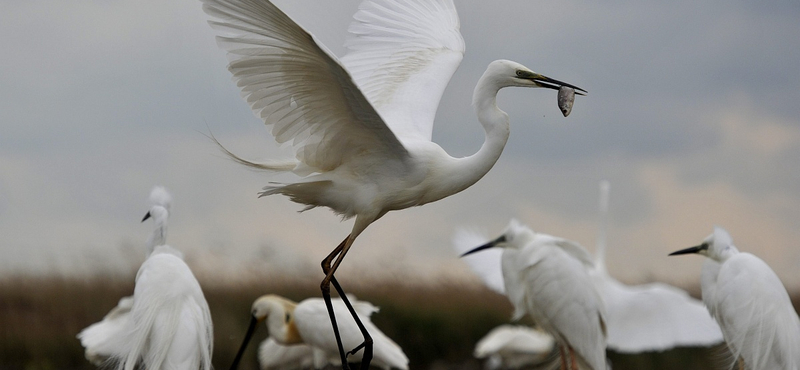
<point>436,325</point>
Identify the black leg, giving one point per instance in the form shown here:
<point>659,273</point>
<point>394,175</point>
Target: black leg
<point>325,286</point>
<point>366,358</point>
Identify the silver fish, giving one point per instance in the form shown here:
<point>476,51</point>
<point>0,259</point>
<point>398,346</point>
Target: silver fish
<point>566,96</point>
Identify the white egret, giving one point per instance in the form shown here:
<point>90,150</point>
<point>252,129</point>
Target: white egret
<point>546,277</point>
<point>168,325</point>
<point>760,326</point>
<point>639,318</point>
<point>361,127</point>
<point>307,323</point>
<point>648,317</point>
<point>514,347</point>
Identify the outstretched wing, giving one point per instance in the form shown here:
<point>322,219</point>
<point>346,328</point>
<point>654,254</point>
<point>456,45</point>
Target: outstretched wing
<point>402,55</point>
<point>654,317</point>
<point>297,87</point>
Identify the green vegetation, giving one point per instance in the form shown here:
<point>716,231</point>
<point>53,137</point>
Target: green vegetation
<point>437,326</point>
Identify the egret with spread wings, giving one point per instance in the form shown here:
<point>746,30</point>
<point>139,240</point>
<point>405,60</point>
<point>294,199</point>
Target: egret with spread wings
<point>361,126</point>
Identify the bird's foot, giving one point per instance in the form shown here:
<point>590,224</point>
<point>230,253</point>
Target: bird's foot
<point>359,347</point>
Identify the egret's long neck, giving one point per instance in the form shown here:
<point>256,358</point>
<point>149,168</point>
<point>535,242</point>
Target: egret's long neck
<point>159,236</point>
<point>496,127</point>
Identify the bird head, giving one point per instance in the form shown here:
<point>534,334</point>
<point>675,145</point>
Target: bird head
<point>717,246</point>
<point>269,304</point>
<point>516,236</point>
<point>509,73</point>
<point>275,309</point>
<point>160,204</point>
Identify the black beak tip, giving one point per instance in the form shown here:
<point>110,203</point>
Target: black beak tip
<point>146,216</point>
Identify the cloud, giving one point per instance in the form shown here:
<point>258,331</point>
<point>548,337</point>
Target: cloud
<point>692,114</point>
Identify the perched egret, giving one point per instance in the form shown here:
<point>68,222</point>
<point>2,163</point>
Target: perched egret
<point>514,347</point>
<point>748,300</point>
<point>361,126</point>
<point>546,277</point>
<point>168,325</point>
<point>639,318</point>
<point>307,322</point>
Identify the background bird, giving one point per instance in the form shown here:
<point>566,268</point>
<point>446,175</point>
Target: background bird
<point>168,325</point>
<point>97,338</point>
<point>546,277</point>
<point>306,322</point>
<point>639,318</point>
<point>361,127</point>
<point>514,347</point>
<point>275,356</point>
<point>748,300</point>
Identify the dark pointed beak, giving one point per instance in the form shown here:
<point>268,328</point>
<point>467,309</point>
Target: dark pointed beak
<point>694,249</point>
<point>146,216</point>
<point>488,245</point>
<point>251,328</point>
<point>551,83</point>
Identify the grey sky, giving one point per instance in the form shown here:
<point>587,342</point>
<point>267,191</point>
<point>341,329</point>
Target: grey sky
<point>693,114</point>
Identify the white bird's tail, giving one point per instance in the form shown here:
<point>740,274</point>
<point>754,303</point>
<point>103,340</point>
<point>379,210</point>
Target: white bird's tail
<point>266,165</point>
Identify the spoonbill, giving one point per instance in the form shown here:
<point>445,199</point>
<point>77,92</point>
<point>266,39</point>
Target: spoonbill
<point>307,323</point>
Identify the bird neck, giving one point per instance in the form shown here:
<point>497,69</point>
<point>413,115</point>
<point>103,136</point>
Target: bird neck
<point>496,128</point>
<point>281,325</point>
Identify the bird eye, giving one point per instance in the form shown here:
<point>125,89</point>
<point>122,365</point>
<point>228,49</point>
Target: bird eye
<point>288,317</point>
<point>519,73</point>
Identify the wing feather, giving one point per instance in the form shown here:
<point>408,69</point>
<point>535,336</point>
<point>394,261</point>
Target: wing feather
<point>402,55</point>
<point>298,87</point>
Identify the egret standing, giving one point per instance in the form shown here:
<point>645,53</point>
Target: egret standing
<point>167,324</point>
<point>750,304</point>
<point>639,318</point>
<point>361,127</point>
<point>546,277</point>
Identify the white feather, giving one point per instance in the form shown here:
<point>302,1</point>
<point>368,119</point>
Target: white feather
<point>311,318</point>
<point>514,347</point>
<point>401,55</point>
<point>751,305</point>
<point>97,338</point>
<point>275,356</point>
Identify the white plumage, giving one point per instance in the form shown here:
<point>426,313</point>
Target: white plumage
<point>514,347</point>
<point>275,356</point>
<point>97,338</point>
<point>647,317</point>
<point>546,277</point>
<point>291,323</point>
<point>750,304</point>
<point>361,127</point>
<point>166,324</point>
